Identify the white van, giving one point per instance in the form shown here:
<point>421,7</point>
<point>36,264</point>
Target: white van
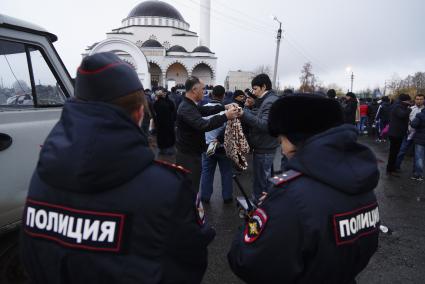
<point>34,84</point>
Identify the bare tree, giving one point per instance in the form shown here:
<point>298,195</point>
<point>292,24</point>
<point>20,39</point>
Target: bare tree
<point>263,69</point>
<point>412,84</point>
<point>307,79</point>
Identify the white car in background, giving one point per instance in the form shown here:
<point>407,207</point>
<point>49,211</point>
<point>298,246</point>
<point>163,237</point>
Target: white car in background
<point>34,85</point>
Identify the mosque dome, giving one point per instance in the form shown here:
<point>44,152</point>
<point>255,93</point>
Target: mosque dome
<point>177,48</point>
<point>156,9</point>
<point>151,43</point>
<point>202,48</point>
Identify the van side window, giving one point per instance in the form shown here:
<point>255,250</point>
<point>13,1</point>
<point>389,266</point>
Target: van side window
<point>26,79</point>
<point>15,83</point>
<point>47,88</point>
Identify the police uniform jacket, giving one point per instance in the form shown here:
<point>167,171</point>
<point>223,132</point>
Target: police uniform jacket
<point>101,210</point>
<point>320,222</point>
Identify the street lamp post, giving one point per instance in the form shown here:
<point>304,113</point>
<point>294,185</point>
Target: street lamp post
<point>279,36</point>
<point>348,70</point>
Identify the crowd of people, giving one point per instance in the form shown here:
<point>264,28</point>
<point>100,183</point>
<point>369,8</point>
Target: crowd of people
<point>99,199</point>
<point>399,120</point>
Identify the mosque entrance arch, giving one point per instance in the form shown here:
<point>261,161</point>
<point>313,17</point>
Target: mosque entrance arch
<point>156,75</point>
<point>204,72</point>
<point>177,72</point>
<point>130,53</point>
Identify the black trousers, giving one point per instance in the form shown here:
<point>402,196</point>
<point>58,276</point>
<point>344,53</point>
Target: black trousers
<point>193,163</point>
<point>395,144</point>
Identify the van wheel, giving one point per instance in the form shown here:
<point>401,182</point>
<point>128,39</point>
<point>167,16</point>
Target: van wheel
<point>11,269</point>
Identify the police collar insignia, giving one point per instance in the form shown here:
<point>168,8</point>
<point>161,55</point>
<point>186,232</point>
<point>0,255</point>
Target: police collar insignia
<point>255,225</point>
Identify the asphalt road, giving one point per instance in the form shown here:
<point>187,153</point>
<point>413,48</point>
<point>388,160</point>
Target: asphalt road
<point>401,254</point>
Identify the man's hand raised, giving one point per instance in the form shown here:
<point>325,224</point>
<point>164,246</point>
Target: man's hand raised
<point>232,113</point>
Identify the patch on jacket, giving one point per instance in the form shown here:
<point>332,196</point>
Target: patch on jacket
<point>350,226</point>
<point>75,228</point>
<point>284,177</point>
<point>255,225</point>
<point>200,212</point>
<point>172,166</point>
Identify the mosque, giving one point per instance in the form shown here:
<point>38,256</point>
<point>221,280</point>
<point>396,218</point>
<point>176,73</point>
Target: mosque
<point>157,41</point>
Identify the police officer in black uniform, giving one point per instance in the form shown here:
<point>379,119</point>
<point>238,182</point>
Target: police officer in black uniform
<point>319,223</point>
<point>99,208</point>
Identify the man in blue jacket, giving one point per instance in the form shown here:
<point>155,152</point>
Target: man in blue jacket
<point>99,208</point>
<point>319,223</point>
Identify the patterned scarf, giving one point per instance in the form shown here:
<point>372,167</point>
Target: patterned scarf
<point>235,144</point>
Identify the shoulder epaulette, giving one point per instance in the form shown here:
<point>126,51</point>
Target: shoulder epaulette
<point>284,177</point>
<point>172,166</point>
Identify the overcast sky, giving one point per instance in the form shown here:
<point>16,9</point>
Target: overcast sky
<point>377,38</point>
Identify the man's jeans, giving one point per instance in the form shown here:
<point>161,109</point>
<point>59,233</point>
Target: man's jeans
<point>405,146</point>
<point>419,160</point>
<point>207,177</point>
<point>362,124</point>
<point>262,165</point>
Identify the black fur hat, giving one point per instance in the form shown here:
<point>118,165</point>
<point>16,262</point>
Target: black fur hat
<point>299,117</point>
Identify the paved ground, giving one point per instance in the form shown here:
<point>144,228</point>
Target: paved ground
<point>401,254</point>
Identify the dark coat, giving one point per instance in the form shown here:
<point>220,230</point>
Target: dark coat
<point>350,110</point>
<point>257,121</point>
<point>372,111</point>
<point>399,120</point>
<point>191,126</point>
<point>176,99</point>
<point>304,236</point>
<point>165,116</point>
<point>383,114</point>
<point>104,211</point>
<point>418,123</point>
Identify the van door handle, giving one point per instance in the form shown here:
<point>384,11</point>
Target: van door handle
<point>5,141</point>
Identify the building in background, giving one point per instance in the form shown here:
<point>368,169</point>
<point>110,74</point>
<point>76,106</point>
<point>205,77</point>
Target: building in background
<point>157,41</point>
<point>238,80</point>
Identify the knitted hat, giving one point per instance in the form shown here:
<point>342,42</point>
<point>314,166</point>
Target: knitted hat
<point>404,97</point>
<point>299,117</point>
<point>351,95</point>
<point>105,77</point>
<point>238,93</point>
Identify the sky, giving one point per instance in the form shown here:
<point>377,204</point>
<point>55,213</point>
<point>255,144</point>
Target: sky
<point>378,39</point>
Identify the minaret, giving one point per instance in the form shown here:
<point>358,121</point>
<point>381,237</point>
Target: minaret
<point>205,23</point>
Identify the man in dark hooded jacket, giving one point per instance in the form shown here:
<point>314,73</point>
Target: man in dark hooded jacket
<point>165,113</point>
<point>99,208</point>
<point>399,123</point>
<point>319,223</point>
<point>350,108</point>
